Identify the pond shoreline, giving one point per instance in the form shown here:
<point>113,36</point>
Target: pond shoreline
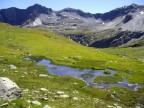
<point>86,75</point>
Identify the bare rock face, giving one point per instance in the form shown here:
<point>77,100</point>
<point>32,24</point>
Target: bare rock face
<point>8,89</point>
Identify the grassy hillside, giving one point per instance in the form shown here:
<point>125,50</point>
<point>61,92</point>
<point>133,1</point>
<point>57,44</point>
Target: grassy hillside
<point>135,52</point>
<point>18,43</point>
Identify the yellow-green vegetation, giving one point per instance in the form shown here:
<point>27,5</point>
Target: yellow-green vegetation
<point>135,52</point>
<point>18,43</point>
<point>107,79</point>
<point>107,72</point>
<point>87,75</point>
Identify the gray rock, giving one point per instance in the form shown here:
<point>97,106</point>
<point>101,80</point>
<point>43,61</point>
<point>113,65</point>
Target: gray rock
<point>36,102</point>
<point>43,75</point>
<point>5,104</point>
<point>64,96</point>
<point>46,106</point>
<point>75,98</point>
<point>43,89</point>
<point>12,67</point>
<point>8,89</point>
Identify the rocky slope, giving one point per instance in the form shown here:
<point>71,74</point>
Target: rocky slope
<point>121,38</point>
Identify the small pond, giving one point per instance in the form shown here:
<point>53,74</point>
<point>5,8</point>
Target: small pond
<point>86,75</point>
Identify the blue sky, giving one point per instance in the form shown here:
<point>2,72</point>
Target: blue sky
<point>93,6</point>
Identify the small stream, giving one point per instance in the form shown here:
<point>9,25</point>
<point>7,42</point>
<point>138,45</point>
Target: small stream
<point>90,75</point>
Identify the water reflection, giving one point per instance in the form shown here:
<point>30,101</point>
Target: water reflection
<point>86,75</point>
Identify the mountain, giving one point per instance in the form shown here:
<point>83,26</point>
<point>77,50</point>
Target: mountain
<point>16,16</point>
<point>125,19</point>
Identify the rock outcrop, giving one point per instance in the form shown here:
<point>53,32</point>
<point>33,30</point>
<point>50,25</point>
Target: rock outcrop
<point>8,89</point>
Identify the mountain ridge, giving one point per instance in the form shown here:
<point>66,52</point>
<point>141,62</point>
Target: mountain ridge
<point>127,18</point>
<point>35,10</point>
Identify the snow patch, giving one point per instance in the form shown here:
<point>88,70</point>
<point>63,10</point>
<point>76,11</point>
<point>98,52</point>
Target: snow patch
<point>142,12</point>
<point>37,22</point>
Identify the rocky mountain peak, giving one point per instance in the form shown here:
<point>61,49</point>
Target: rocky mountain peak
<point>133,7</point>
<point>77,11</point>
<point>39,9</point>
<point>119,12</point>
<point>69,10</point>
<point>36,6</point>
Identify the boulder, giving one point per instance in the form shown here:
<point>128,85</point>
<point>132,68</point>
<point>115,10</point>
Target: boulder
<point>8,89</point>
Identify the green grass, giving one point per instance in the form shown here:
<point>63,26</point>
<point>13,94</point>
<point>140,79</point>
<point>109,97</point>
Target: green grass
<point>87,75</point>
<point>135,53</point>
<point>107,79</point>
<point>107,72</point>
<point>18,43</point>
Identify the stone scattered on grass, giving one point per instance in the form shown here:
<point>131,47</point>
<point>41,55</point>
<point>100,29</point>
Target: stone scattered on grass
<point>43,89</point>
<point>43,75</point>
<point>60,92</point>
<point>109,106</point>
<point>30,55</point>
<point>46,106</point>
<point>97,100</point>
<point>8,89</point>
<point>44,98</point>
<point>36,103</point>
<point>115,104</point>
<point>28,101</point>
<point>75,98</point>
<point>142,60</point>
<point>64,96</point>
<point>75,83</point>
<point>25,73</point>
<point>4,104</point>
<point>26,90</point>
<point>75,92</point>
<point>12,67</point>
